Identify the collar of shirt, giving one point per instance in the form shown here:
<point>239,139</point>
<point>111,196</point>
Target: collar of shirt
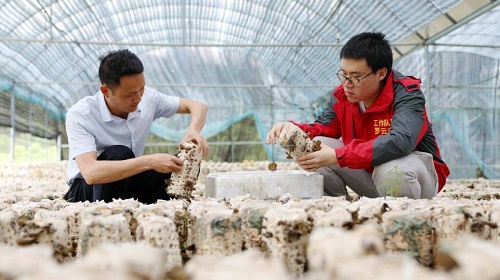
<point>106,115</point>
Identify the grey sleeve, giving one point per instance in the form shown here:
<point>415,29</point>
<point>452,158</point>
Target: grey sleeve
<point>328,114</point>
<point>408,124</point>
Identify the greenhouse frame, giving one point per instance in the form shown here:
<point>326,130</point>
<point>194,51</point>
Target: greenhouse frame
<point>253,63</point>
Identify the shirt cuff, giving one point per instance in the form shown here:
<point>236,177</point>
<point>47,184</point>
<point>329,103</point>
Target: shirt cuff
<point>340,152</point>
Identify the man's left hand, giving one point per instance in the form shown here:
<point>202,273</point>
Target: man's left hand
<point>324,157</point>
<point>200,140</point>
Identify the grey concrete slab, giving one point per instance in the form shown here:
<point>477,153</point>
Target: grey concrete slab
<point>265,185</point>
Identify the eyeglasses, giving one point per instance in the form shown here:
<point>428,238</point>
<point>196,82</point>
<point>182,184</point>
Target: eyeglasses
<point>352,80</point>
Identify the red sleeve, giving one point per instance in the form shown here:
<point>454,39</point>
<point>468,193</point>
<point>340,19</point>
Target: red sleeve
<point>357,154</point>
<point>317,129</point>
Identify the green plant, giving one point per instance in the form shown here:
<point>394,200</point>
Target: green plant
<point>475,196</point>
<point>393,182</point>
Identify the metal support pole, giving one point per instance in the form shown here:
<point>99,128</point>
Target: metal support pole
<point>12,124</point>
<point>494,140</point>
<point>272,118</point>
<point>30,122</point>
<point>428,82</point>
<point>45,123</point>
<point>59,140</point>
<point>231,140</point>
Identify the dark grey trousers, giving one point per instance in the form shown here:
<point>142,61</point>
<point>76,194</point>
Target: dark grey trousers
<point>147,187</point>
<point>412,176</point>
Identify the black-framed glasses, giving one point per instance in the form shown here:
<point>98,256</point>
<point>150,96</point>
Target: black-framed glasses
<point>352,80</point>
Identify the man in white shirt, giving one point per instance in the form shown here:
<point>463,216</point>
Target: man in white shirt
<point>107,133</point>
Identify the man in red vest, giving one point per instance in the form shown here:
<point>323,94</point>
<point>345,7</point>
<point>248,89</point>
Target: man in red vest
<point>377,138</point>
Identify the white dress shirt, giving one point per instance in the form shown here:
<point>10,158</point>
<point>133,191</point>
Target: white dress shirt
<point>92,128</point>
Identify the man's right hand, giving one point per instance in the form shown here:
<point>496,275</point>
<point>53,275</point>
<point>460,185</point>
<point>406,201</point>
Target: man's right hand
<point>164,163</point>
<point>106,171</point>
<point>275,132</point>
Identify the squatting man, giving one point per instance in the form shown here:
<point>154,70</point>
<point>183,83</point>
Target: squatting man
<point>107,133</point>
<point>376,137</point>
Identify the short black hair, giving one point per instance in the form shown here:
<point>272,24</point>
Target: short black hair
<point>373,47</point>
<point>117,64</point>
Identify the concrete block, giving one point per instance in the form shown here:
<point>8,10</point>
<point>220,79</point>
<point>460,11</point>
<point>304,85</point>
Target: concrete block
<point>265,184</point>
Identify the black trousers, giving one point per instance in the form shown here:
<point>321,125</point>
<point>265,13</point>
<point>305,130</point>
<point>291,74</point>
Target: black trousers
<point>147,187</point>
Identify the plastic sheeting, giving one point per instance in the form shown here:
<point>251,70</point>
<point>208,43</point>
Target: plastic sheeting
<point>464,107</point>
<point>259,59</point>
<point>52,47</point>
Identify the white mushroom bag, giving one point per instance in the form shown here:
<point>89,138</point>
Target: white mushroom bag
<point>181,184</point>
<point>296,142</point>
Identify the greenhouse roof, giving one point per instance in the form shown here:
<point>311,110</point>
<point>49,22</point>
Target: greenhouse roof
<point>225,53</point>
